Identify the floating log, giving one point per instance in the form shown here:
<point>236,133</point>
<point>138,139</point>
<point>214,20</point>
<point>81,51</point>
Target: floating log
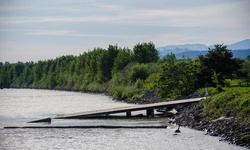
<point>45,120</point>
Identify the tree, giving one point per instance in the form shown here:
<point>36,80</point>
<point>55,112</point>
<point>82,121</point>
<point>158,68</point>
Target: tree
<point>248,58</point>
<point>51,78</point>
<point>123,58</point>
<point>145,53</point>
<point>38,72</point>
<point>246,68</point>
<point>170,58</point>
<point>220,61</point>
<point>178,78</point>
<point>27,76</point>
<point>18,69</point>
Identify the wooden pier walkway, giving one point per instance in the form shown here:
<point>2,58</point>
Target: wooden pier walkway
<point>148,107</point>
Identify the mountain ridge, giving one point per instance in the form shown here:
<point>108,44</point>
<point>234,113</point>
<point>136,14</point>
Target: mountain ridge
<point>188,49</point>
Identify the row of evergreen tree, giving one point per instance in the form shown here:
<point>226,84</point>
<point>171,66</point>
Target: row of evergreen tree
<point>125,73</point>
<point>67,72</point>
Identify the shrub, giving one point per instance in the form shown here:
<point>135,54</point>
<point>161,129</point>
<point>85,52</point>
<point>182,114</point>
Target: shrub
<point>139,71</point>
<point>123,92</point>
<point>236,102</point>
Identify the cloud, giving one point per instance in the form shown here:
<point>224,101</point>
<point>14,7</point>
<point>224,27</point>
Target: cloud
<point>229,15</point>
<point>24,19</point>
<point>63,25</point>
<point>50,32</point>
<point>73,33</point>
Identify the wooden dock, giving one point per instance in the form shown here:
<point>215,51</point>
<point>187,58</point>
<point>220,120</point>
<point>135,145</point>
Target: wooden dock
<point>148,107</point>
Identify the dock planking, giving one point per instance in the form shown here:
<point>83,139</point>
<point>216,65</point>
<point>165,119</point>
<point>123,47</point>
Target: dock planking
<point>148,107</point>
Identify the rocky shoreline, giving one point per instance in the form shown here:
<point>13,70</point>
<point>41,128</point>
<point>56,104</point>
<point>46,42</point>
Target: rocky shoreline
<point>228,128</point>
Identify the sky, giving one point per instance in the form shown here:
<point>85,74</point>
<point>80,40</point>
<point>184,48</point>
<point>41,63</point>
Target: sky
<point>32,30</point>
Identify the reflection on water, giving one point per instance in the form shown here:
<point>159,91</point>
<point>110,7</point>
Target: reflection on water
<point>18,106</point>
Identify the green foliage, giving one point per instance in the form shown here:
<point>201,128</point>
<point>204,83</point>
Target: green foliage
<point>145,53</point>
<point>127,74</point>
<point>211,91</point>
<point>123,58</point>
<point>106,63</point>
<point>4,80</point>
<point>136,96</point>
<point>236,102</point>
<point>138,71</point>
<point>96,87</point>
<point>151,82</point>
<point>124,92</point>
<point>218,60</point>
<point>169,58</point>
<point>215,77</point>
<point>246,67</point>
<point>219,88</point>
<point>227,82</point>
<point>178,78</point>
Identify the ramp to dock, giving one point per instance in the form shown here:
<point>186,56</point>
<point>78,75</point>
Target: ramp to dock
<point>148,107</point>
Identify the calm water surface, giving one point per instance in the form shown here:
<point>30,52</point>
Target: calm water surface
<point>18,106</point>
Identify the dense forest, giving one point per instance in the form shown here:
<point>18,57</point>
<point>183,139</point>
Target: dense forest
<point>125,73</point>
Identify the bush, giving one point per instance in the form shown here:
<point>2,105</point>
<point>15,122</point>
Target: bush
<point>123,92</point>
<point>139,71</point>
<point>96,87</point>
<point>236,102</point>
<point>118,93</point>
<point>152,81</point>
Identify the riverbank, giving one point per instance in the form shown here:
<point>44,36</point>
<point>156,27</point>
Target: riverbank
<point>225,115</point>
<point>230,129</point>
<point>228,118</point>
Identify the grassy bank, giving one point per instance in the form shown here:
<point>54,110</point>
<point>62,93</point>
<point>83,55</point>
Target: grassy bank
<point>225,114</point>
<point>234,102</point>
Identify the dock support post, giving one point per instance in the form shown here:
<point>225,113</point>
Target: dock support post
<point>150,112</point>
<point>128,113</point>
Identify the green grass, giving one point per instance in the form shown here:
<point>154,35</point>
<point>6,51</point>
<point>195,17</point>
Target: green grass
<point>123,92</point>
<point>236,101</point>
<point>243,89</point>
<point>239,83</point>
<point>212,90</point>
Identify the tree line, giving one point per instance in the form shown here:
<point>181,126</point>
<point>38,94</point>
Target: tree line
<point>127,73</point>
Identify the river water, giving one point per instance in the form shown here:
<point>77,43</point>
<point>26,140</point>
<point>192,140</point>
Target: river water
<point>18,106</point>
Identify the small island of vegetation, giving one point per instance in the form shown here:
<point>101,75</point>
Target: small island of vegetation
<point>138,75</point>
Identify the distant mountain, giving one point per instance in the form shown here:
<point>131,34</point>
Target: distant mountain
<point>194,54</point>
<point>175,49</point>
<point>193,50</point>
<point>185,46</point>
<point>245,44</point>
